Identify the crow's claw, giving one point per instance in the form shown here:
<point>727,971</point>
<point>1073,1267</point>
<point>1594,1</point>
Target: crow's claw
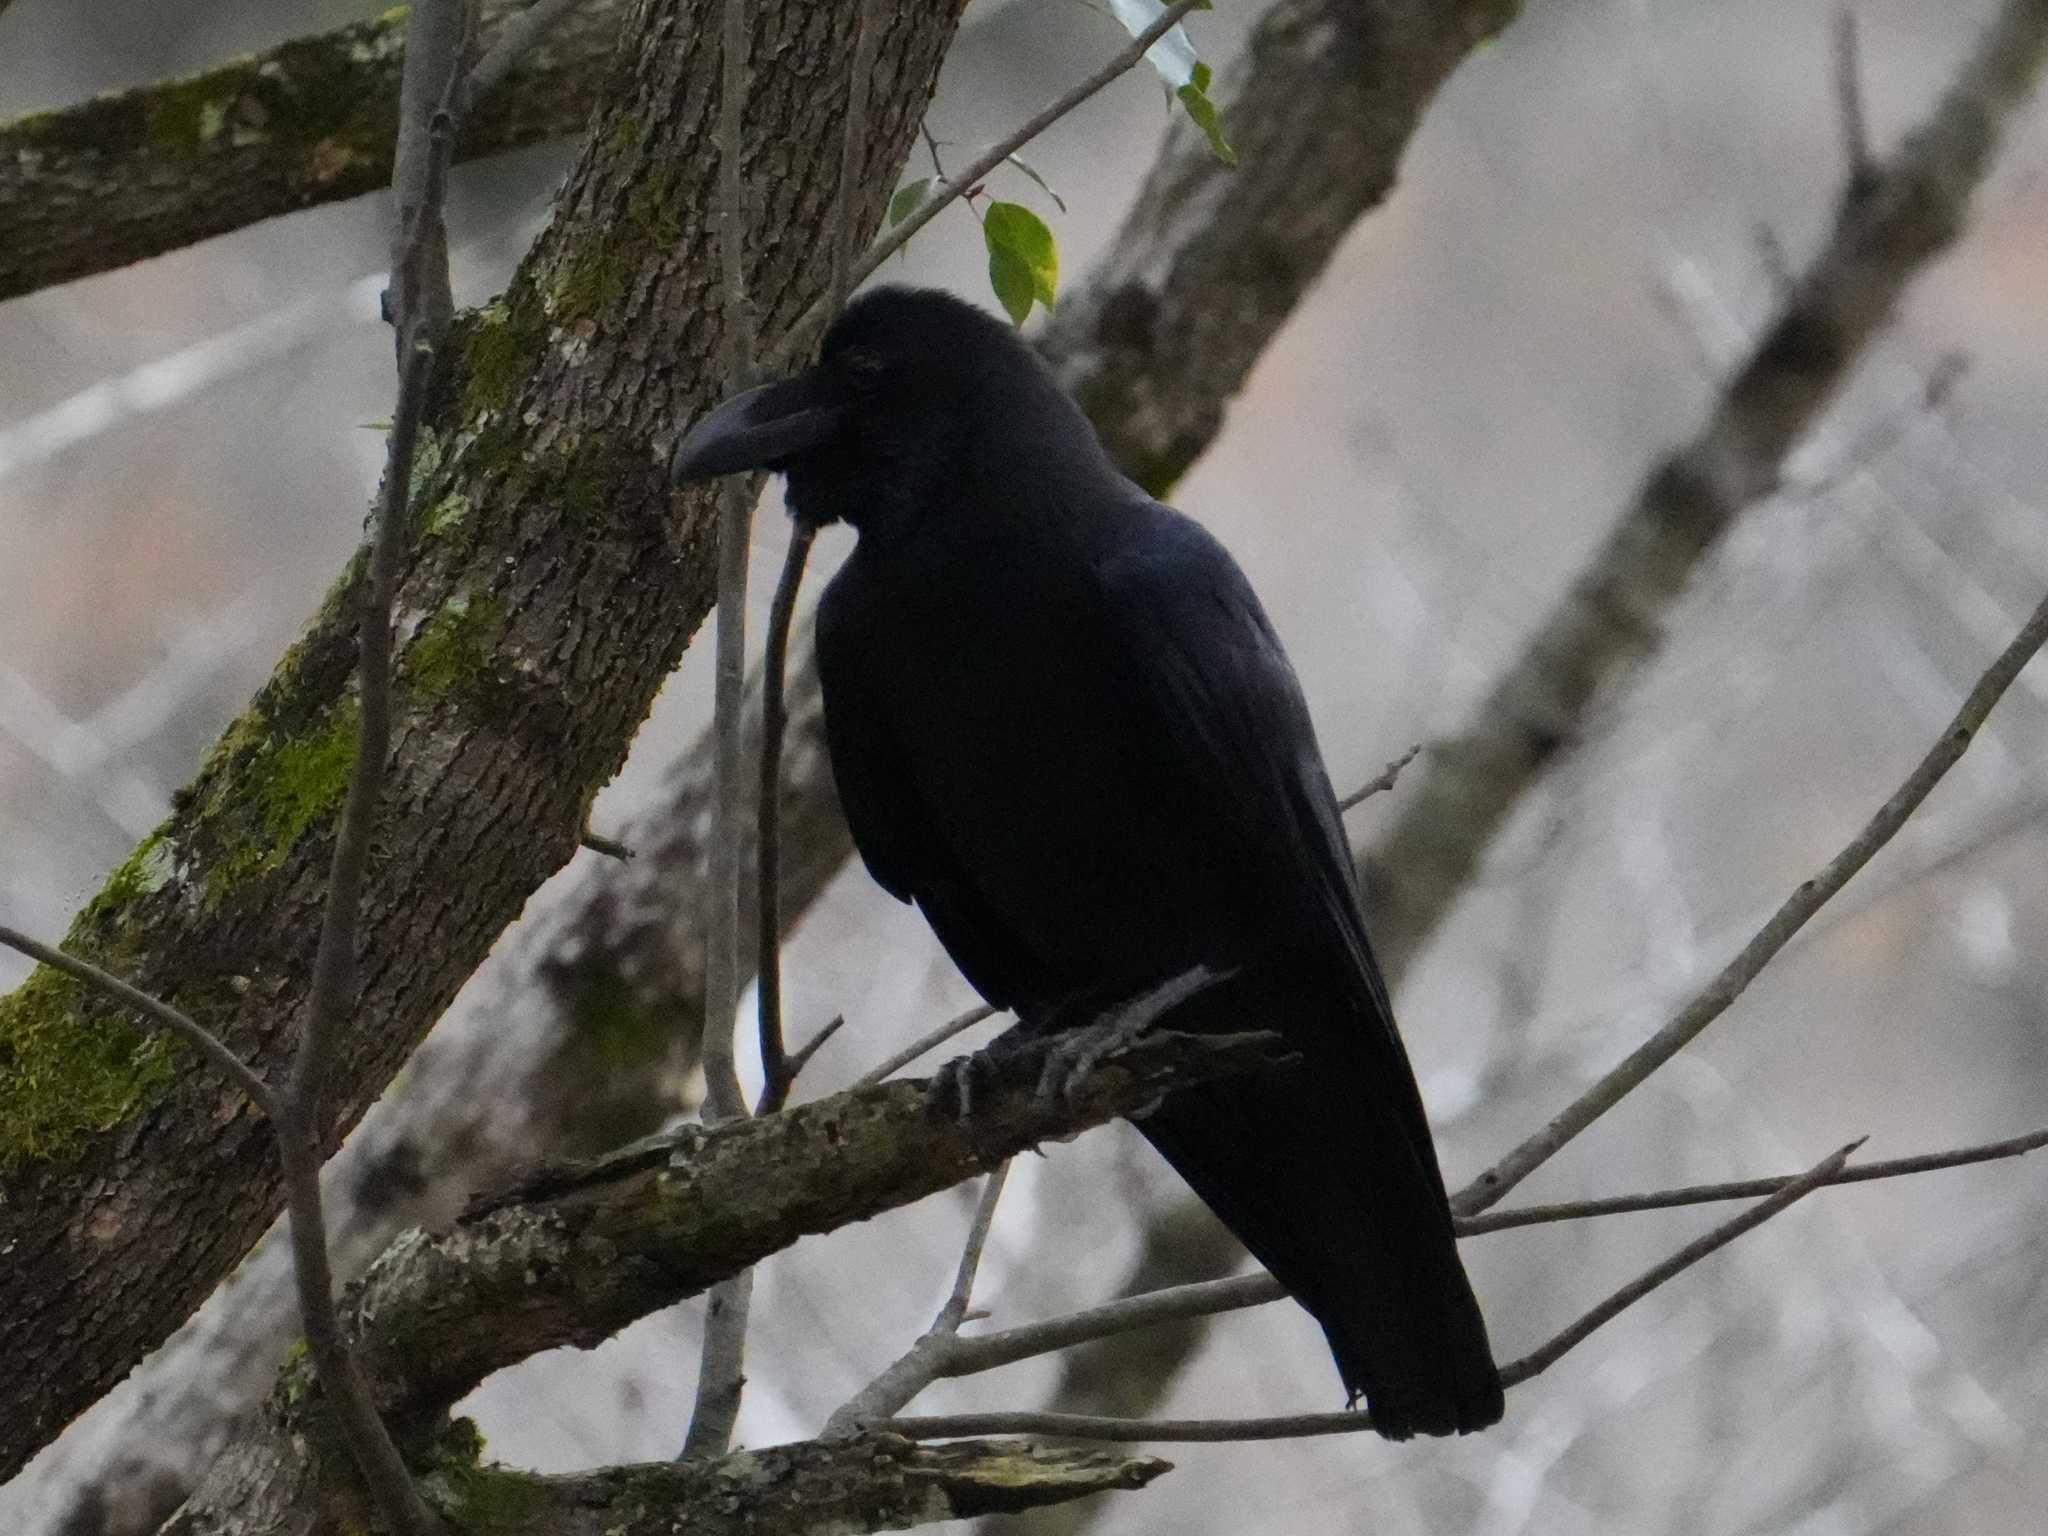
<point>959,1083</point>
<point>1077,1053</point>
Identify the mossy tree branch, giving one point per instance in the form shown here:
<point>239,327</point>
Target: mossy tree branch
<point>581,1251</point>
<point>133,174</point>
<point>816,1488</point>
<point>577,1255</point>
<point>549,592</point>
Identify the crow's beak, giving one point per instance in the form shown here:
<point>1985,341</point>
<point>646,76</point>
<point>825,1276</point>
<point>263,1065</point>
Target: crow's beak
<point>762,429</point>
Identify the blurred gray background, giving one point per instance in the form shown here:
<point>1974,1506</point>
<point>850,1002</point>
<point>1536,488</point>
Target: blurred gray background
<point>1460,411</point>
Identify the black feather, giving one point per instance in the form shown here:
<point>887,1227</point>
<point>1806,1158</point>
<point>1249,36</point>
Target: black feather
<point>1062,725</point>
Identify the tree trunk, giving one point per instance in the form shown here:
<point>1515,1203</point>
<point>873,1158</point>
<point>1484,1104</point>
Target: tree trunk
<point>550,590</point>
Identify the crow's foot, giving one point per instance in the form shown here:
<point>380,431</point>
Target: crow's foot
<point>1077,1053</point>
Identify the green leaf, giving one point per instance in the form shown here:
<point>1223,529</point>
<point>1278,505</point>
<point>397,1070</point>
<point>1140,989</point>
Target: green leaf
<point>908,199</point>
<point>1011,279</point>
<point>1023,259</point>
<point>1195,97</point>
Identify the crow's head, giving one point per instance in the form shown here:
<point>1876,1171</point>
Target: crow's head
<point>916,397</point>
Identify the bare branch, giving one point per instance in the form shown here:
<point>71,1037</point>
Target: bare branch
<point>1291,1426</point>
<point>929,1358</point>
<point>490,775</point>
<point>1543,1358</point>
<point>1713,1000</point>
<point>959,1024</point>
<point>777,1072</point>
<point>598,1248</point>
<point>1382,781</point>
<point>813,1488</point>
<point>309,122</point>
<point>1610,620</point>
<point>1859,164</point>
<point>721,1377</point>
<point>801,1057</point>
<point>163,1014</point>
<point>972,1355</point>
<point>610,847</point>
<point>798,335</point>
<point>1746,1189</point>
<point>420,313</point>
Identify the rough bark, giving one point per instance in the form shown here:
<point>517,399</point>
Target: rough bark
<point>133,174</point>
<point>1325,99</point>
<point>552,587</point>
<point>576,1255</point>
<point>814,1488</point>
<point>582,1250</point>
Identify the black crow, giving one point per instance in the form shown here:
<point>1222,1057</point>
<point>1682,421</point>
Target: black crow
<point>1061,724</point>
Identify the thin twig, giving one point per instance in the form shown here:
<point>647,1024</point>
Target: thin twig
<point>930,1357</point>
<point>1746,1189</point>
<point>1541,1359</point>
<point>959,1024</point>
<point>1859,164</point>
<point>514,39</point>
<point>721,1375</point>
<point>589,837</point>
<point>798,1060</point>
<point>1711,1002</point>
<point>776,1071</point>
<point>420,310</point>
<point>798,335</point>
<point>300,1133</point>
<point>1290,1426</point>
<point>1178,1303</point>
<point>1381,782</point>
<point>117,990</point>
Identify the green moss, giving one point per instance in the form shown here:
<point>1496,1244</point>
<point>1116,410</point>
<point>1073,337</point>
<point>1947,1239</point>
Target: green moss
<point>504,340</point>
<point>447,518</point>
<point>285,787</point>
<point>591,280</point>
<point>304,779</point>
<point>427,454</point>
<point>185,117</point>
<point>145,871</point>
<point>71,1066</point>
<point>453,651</point>
<point>485,1500</point>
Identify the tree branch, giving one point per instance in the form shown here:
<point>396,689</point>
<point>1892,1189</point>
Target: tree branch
<point>953,189</point>
<point>815,1488</point>
<point>1746,1189</point>
<point>959,1024</point>
<point>1348,1422</point>
<point>1713,1000</point>
<point>576,1256</point>
<point>926,1360</point>
<point>721,1372</point>
<point>310,122</point>
<point>551,590</point>
<point>160,1013</point>
<point>1889,226</point>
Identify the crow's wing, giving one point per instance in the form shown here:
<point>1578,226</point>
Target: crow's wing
<point>892,827</point>
<point>1201,660</point>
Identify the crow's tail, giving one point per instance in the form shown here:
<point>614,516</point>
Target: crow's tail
<point>1326,1171</point>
